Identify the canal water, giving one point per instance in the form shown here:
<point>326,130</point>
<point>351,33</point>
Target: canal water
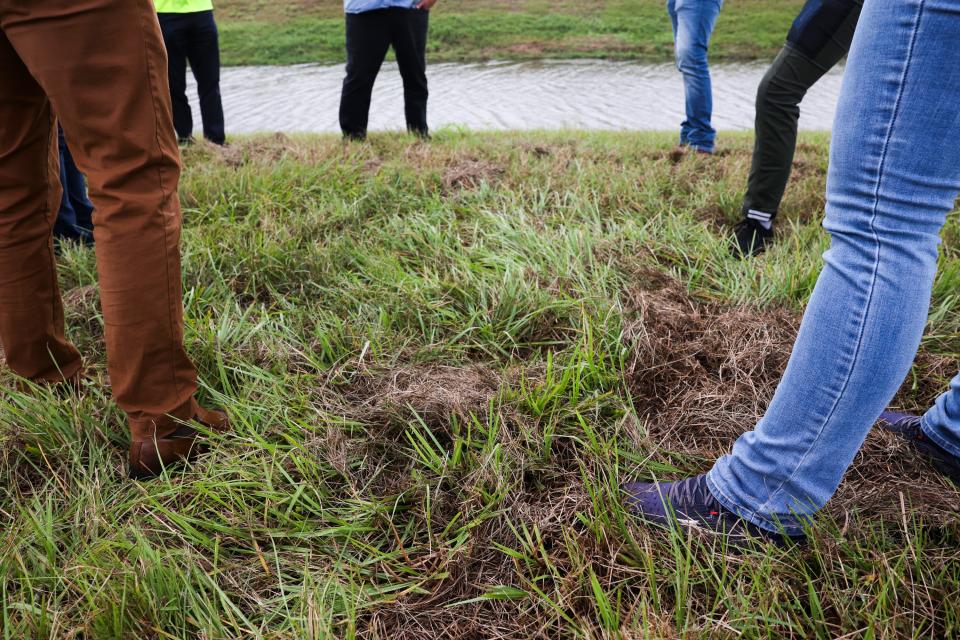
<point>589,94</point>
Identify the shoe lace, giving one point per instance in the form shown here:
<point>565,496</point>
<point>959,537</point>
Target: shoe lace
<point>910,425</point>
<point>693,492</point>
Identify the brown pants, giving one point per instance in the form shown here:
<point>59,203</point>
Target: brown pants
<point>101,67</point>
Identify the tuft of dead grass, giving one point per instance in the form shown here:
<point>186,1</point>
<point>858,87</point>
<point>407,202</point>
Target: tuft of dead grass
<point>702,373</point>
<point>263,150</point>
<point>469,173</point>
<point>433,392</point>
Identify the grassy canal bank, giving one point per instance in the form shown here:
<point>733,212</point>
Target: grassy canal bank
<point>259,32</point>
<point>440,360</point>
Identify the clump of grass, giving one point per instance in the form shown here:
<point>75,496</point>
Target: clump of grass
<point>440,360</point>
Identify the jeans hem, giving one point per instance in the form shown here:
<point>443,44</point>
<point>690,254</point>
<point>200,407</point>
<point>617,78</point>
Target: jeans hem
<point>753,517</point>
<point>932,433</point>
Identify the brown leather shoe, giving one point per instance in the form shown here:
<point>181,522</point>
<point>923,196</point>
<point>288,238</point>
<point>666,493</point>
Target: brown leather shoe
<point>148,458</point>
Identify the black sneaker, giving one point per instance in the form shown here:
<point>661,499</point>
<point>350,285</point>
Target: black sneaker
<point>907,426</point>
<point>690,505</point>
<point>750,238</point>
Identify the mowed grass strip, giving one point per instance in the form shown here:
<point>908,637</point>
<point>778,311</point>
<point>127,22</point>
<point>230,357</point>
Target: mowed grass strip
<point>440,360</point>
<point>254,32</point>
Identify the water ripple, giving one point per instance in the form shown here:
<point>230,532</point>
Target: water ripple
<point>550,94</point>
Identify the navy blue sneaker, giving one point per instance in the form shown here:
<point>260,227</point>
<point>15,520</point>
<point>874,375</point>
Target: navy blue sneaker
<point>907,426</point>
<point>690,505</point>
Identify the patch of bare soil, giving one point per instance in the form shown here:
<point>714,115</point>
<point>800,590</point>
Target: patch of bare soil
<point>703,373</point>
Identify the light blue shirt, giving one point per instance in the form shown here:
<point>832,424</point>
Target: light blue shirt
<point>360,6</point>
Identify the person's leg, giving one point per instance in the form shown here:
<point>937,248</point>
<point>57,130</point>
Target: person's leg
<point>203,52</point>
<point>31,312</point>
<point>75,220</point>
<point>942,422</point>
<point>409,41</point>
<point>672,12</point>
<point>894,175</point>
<point>782,89</point>
<point>368,38</point>
<point>79,198</point>
<point>107,81</point>
<point>693,24</point>
<point>777,116</point>
<point>174,31</point>
<point>65,226</point>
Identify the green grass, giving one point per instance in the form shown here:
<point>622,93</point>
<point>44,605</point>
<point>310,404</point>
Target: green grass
<point>293,31</point>
<point>440,360</point>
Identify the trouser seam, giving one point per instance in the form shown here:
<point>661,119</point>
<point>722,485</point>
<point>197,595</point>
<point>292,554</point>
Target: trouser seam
<point>876,264</point>
<point>47,213</point>
<point>56,303</point>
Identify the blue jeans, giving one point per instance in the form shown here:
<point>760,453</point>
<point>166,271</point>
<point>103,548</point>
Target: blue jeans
<point>894,175</point>
<point>75,218</point>
<point>693,22</point>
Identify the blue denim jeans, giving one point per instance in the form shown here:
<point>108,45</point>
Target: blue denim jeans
<point>75,218</point>
<point>894,175</point>
<point>693,22</point>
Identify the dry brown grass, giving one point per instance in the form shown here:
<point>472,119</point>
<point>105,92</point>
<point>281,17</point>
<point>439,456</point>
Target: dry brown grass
<point>703,373</point>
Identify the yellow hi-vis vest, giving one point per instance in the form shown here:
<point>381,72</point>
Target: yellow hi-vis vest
<point>183,6</point>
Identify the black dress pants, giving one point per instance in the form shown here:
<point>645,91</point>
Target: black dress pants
<point>819,39</point>
<point>369,36</point>
<point>193,37</point>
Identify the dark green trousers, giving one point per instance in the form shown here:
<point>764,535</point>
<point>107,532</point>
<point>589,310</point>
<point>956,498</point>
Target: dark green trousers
<point>782,89</point>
